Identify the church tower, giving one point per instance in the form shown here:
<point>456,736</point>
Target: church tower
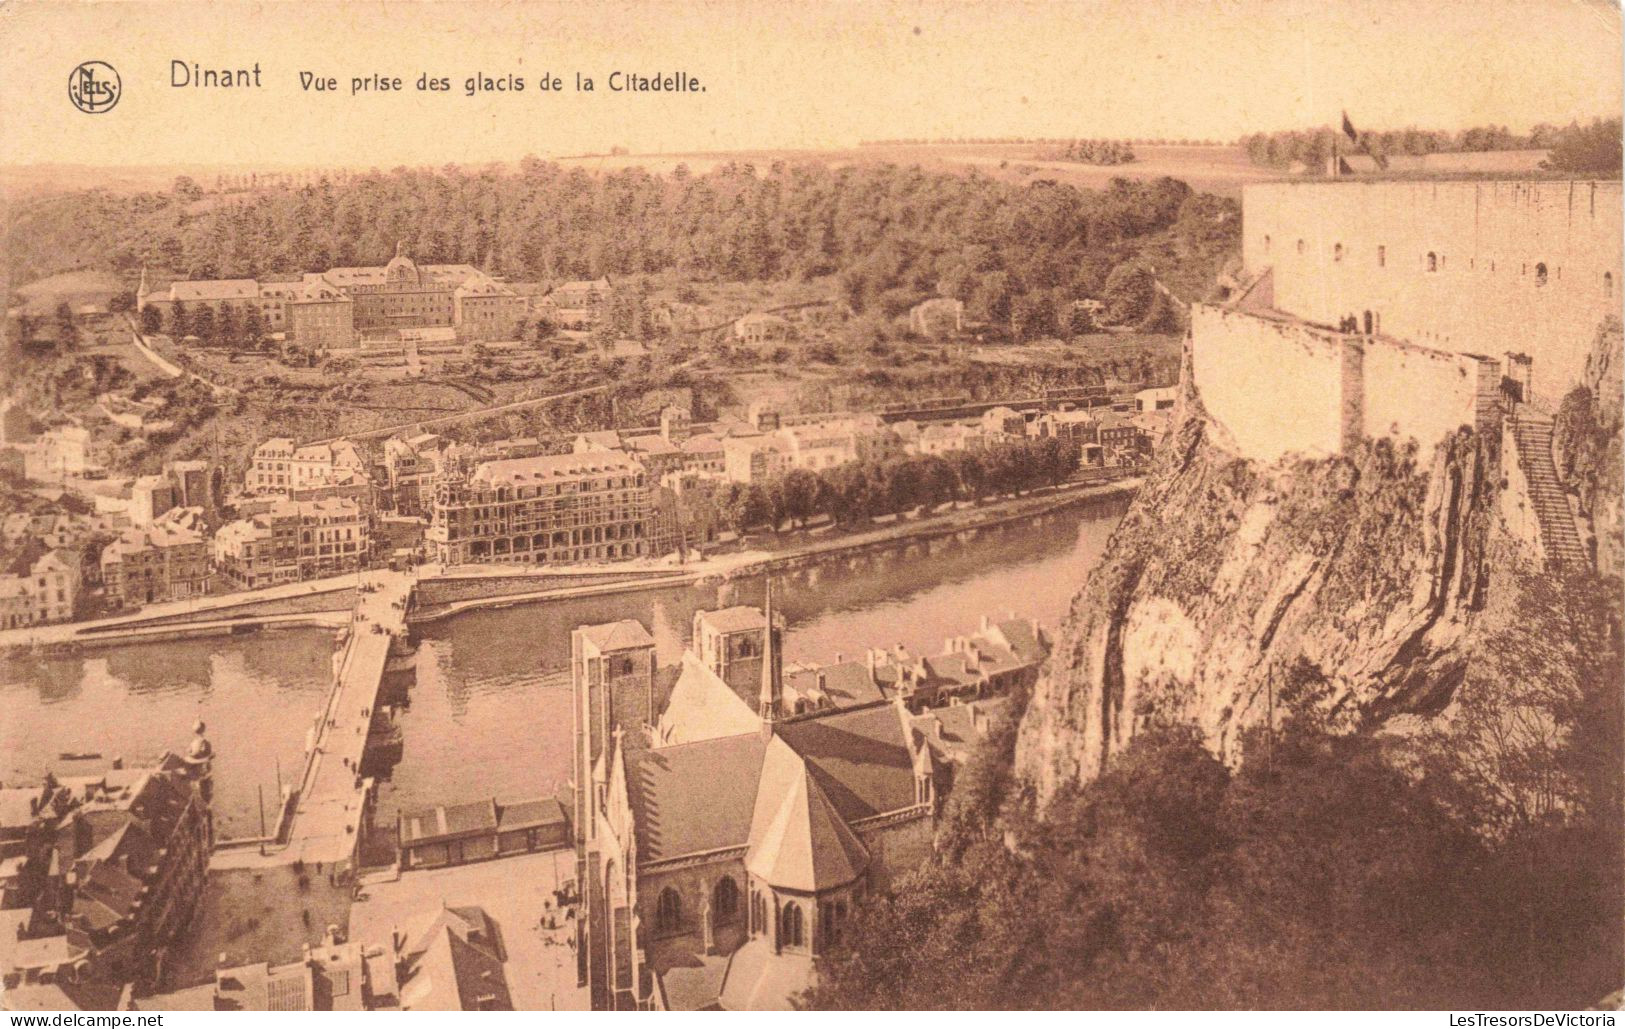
<point>142,291</point>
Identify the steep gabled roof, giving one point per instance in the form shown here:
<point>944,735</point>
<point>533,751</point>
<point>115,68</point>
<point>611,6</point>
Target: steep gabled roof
<point>797,840</point>
<point>694,797</point>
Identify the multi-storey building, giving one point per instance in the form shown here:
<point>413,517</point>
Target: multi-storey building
<point>549,509</point>
<point>281,466</point>
<point>336,307</point>
<point>410,465</point>
<point>38,584</point>
<point>293,540</point>
<point>104,873</point>
<point>576,305</point>
<point>166,560</point>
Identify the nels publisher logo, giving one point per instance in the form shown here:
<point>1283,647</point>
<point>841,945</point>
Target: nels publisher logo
<point>94,87</point>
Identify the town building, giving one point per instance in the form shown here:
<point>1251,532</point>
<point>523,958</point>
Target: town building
<point>60,452</point>
<point>548,509</point>
<point>281,466</point>
<point>455,963</point>
<point>410,465</point>
<point>147,564</point>
<point>575,305</point>
<point>291,541</point>
<point>103,874</point>
<point>760,327</point>
<point>454,834</point>
<point>38,584</point>
<point>334,975</point>
<point>340,306</point>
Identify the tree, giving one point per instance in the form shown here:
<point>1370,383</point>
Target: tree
<point>152,322</point>
<point>180,321</point>
<point>253,331</point>
<point>67,328</point>
<point>186,189</point>
<point>1593,149</point>
<point>1128,293</point>
<point>745,506</point>
<point>226,331</point>
<point>203,323</point>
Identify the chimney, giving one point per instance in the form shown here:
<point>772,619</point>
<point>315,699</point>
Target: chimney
<point>978,720</point>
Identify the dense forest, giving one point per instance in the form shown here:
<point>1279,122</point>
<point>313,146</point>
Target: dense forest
<point>1592,149</point>
<point>893,234</point>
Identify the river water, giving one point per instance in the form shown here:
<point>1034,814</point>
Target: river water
<point>490,712</point>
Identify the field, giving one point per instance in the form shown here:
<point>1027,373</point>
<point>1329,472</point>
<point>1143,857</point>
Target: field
<point>1211,169</point>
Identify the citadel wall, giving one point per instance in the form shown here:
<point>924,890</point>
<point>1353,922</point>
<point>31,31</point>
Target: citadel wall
<point>1479,267</point>
<point>1276,385</point>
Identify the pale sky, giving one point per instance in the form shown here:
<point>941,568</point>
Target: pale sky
<point>783,74</point>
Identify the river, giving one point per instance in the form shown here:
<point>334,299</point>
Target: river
<point>490,712</point>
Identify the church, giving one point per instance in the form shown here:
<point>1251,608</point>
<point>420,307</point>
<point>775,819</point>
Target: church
<point>721,845</point>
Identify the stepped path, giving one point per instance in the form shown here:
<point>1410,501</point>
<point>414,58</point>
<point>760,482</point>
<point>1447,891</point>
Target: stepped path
<point>1558,535</point>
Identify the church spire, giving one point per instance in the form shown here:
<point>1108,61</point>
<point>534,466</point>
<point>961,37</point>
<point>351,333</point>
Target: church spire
<point>772,668</point>
<point>399,243</point>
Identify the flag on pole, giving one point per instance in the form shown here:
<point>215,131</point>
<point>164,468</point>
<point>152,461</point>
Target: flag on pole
<point>1348,129</point>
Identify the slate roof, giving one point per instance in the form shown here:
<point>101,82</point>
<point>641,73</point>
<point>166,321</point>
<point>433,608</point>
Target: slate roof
<point>797,841</point>
<point>622,635</point>
<point>734,619</point>
<point>456,965</point>
<point>760,980</point>
<point>702,706</point>
<point>521,470</point>
<point>702,796</point>
<point>860,758</point>
<point>847,684</point>
<point>526,813</point>
<point>694,797</point>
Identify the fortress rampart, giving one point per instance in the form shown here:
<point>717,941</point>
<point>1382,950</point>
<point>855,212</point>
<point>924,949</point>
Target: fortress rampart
<point>1463,266</point>
<point>1277,385</point>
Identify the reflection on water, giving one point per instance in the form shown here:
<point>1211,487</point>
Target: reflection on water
<point>490,714</point>
<point>257,694</point>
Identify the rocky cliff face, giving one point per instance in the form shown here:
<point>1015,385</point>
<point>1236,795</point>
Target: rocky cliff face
<point>1349,582</point>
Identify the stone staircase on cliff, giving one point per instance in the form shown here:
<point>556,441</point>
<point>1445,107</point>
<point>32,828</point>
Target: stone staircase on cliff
<point>1558,535</point>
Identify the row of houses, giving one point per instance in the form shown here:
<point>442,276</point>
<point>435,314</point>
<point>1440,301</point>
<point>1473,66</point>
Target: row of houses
<point>99,877</point>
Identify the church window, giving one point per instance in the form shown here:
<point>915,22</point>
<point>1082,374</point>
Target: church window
<point>1300,246</point>
<point>1608,284</point>
<point>792,926</point>
<point>725,900</point>
<point>668,911</point>
<point>1540,274</point>
<point>1337,252</point>
<point>1382,257</point>
<point>1433,261</point>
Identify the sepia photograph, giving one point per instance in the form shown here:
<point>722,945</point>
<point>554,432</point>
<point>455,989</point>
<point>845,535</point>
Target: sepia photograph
<point>954,505</point>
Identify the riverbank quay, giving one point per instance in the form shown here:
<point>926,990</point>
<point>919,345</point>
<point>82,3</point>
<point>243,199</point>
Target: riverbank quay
<point>317,602</point>
<point>444,592</point>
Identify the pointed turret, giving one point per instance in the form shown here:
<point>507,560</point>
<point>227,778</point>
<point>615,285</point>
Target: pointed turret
<point>142,291</point>
<point>772,693</point>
